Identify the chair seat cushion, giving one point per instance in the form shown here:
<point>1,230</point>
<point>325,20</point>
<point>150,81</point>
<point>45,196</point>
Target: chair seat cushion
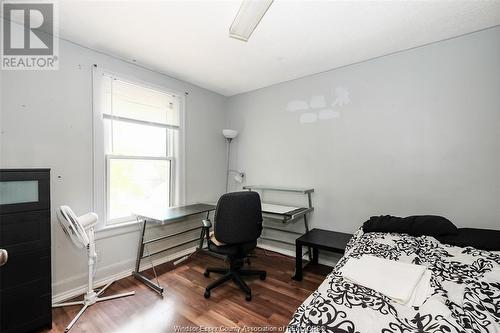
<point>233,250</point>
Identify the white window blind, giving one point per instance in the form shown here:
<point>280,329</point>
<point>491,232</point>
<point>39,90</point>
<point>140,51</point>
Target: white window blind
<point>134,103</point>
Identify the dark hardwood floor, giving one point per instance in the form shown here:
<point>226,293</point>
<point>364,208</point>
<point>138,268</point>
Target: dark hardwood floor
<point>183,305</point>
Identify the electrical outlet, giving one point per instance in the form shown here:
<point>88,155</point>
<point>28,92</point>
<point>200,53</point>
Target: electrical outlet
<point>99,256</point>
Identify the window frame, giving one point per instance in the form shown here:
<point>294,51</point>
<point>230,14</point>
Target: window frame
<point>176,154</point>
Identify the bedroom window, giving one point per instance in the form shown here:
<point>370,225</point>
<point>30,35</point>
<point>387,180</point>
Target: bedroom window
<point>136,148</point>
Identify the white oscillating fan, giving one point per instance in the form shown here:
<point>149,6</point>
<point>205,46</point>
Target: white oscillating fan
<point>81,232</point>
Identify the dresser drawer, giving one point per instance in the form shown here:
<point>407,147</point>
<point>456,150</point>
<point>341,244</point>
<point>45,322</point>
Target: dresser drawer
<point>25,267</point>
<point>21,231</point>
<point>25,307</point>
<point>25,229</point>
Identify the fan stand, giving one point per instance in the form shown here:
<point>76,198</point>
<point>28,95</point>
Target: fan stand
<point>91,297</point>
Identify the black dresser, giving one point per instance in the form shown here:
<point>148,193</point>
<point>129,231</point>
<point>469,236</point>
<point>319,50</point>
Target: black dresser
<point>25,278</point>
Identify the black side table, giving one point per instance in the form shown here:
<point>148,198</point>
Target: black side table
<point>318,239</point>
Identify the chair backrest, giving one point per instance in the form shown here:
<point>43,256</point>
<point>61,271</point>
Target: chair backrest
<point>238,217</point>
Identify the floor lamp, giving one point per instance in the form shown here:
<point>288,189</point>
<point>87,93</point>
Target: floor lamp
<point>230,134</point>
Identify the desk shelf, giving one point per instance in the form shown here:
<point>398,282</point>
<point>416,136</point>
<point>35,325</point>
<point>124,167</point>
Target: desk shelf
<point>282,213</point>
<point>302,190</point>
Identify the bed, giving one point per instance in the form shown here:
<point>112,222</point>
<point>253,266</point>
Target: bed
<point>465,297</point>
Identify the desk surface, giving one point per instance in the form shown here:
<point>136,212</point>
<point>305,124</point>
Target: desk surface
<point>173,213</point>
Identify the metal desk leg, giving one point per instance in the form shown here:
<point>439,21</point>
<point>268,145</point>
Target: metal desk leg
<point>136,273</point>
<point>202,238</point>
<point>202,235</point>
<point>140,247</point>
<point>298,262</point>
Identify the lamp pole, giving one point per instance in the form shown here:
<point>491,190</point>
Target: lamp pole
<point>229,134</point>
<point>227,169</point>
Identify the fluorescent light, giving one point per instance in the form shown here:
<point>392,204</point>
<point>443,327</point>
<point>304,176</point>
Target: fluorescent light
<point>248,17</point>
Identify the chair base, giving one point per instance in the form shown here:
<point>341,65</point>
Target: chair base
<point>236,276</point>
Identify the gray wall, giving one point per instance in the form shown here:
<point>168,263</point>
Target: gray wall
<point>419,136</point>
<point>46,122</point>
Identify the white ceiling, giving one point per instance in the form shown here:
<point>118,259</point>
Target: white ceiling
<point>189,40</point>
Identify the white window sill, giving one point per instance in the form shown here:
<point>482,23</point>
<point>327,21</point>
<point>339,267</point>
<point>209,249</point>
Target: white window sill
<point>122,228</point>
<point>118,229</point>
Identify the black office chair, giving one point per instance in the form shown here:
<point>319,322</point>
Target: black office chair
<point>238,224</point>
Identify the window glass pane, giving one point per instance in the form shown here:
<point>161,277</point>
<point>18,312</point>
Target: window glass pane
<point>133,101</point>
<point>139,140</point>
<point>135,183</point>
<point>18,191</point>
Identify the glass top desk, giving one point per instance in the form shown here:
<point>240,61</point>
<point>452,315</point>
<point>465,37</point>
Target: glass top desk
<point>164,216</point>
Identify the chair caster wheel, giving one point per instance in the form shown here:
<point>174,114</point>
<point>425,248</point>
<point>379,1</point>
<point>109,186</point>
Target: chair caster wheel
<point>206,273</point>
<point>206,294</point>
<point>262,276</point>
<point>248,297</point>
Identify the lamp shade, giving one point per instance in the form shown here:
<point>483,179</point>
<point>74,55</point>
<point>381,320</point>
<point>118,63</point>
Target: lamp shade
<point>229,133</point>
<point>239,177</point>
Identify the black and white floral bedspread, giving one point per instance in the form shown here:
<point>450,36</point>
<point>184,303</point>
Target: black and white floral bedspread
<point>465,297</point>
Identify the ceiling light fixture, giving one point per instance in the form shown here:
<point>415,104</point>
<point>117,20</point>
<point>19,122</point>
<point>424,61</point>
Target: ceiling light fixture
<point>248,17</point>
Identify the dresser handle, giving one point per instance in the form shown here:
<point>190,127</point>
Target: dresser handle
<point>4,256</point>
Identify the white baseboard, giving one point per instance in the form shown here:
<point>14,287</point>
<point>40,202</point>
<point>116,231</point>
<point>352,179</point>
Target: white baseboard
<point>63,296</point>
